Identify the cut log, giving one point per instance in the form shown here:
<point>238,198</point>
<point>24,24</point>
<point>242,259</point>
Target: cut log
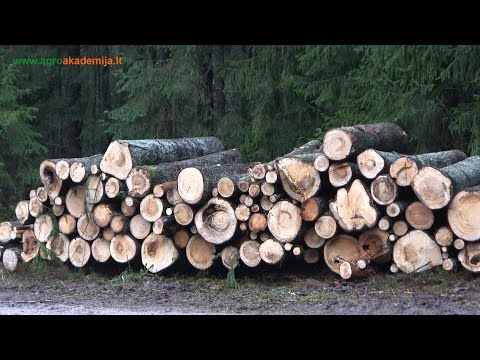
<point>196,184</point>
<point>464,214</point>
<point>312,240</point>
<point>169,211</point>
<point>255,208</point>
<point>75,201</point>
<point>264,236</point>
<point>287,246</point>
<point>321,163</point>
<point>338,144</point>
<point>139,227</point>
<point>58,210</point>
<point>122,155</point>
<point>6,229</point>
<point>444,236</point>
<point>384,190</point>
<point>312,208</point>
<point>299,179</point>
<point>253,236</point>
<point>271,177</point>
<point>376,246</point>
<point>243,226</point>
<point>311,256</point>
<point>42,194</point>
<point>419,216</point>
<point>101,250</point>
<point>160,190</point>
<point>436,187</point>
<point>326,226</point>
<point>405,168</point>
<point>469,257</point>
<point>384,223</point>
<point>79,252</point>
<point>30,246</point>
<point>259,171</point>
<point>416,252</point>
<point>458,244</point>
<point>67,224</point>
<point>257,222</point>
<point>340,173</point>
<point>396,208</point>
<point>95,170</point>
<point>108,233</point>
<point>94,190</point>
<point>115,188</point>
<point>243,185</point>
<point>59,245</point>
<point>183,214</point>
<point>214,192</point>
<point>123,248</point>
<point>102,214</point>
<point>63,167</point>
<point>200,253</point>
<point>81,169</point>
<point>265,203</point>
<point>271,251</point>
<point>166,225</point>
<point>226,187</point>
<point>284,221</point>
<point>353,209</point>
<point>372,162</point>
<point>394,268</point>
<point>118,223</point>
<point>392,237</point>
<point>242,212</point>
<point>400,228</point>
<point>248,201</point>
<point>158,253</point>
<point>151,208</point>
<point>59,200</point>
<point>128,210</point>
<point>216,221</point>
<point>230,256</point>
<point>22,212</point>
<point>10,259</point>
<point>173,197</point>
<point>50,180</point>
<point>87,228</point>
<point>35,206</point>
<point>449,264</point>
<point>254,190</point>
<point>43,227</point>
<point>32,194</point>
<point>343,249</point>
<point>268,189</point>
<point>180,238</point>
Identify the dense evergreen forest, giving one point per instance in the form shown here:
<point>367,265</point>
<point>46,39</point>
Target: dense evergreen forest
<point>262,99</point>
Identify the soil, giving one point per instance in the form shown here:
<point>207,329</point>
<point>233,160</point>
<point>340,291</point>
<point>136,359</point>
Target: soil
<point>43,288</point>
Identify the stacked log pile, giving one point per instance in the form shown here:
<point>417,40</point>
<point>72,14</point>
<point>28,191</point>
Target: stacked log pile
<point>354,201</point>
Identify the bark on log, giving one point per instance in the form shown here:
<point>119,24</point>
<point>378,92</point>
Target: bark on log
<point>405,168</point>
<point>299,179</point>
<point>200,253</point>
<point>139,227</point>
<point>101,250</point>
<point>343,249</point>
<point>180,238</point>
<point>444,236</point>
<point>469,257</point>
<point>158,253</point>
<point>416,252</point>
<point>115,188</point>
<point>384,190</point>
<point>326,226</point>
<point>376,246</point>
<point>151,208</point>
<point>59,245</point>
<point>373,162</point>
<point>62,166</point>
<point>216,221</point>
<point>312,240</point>
<point>396,208</point>
<point>183,214</point>
<point>284,221</point>
<point>22,212</point>
<point>123,248</point>
<point>340,173</point>
<point>122,155</point>
<point>464,214</point>
<point>79,252</point>
<point>271,251</point>
<point>338,144</point>
<point>86,227</point>
<point>419,216</point>
<point>353,209</point>
<point>43,227</point>
<point>81,169</point>
<point>160,190</point>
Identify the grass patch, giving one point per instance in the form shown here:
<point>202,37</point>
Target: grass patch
<point>128,277</point>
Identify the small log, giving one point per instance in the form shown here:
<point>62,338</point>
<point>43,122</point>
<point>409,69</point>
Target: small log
<point>214,192</point>
<point>22,212</point>
<point>340,173</point>
<point>30,246</point>
<point>193,229</point>
<point>166,225</point>
<point>259,171</point>
<point>384,190</point>
<point>287,246</point>
<point>255,208</point>
<point>416,252</point>
<point>10,259</point>
<point>458,244</point>
<point>326,226</point>
<point>392,237</point>
<point>343,249</point>
<point>312,240</point>
<point>376,246</point>
<point>372,162</point>
<point>50,180</point>
<point>254,190</point>
<point>158,253</point>
<point>271,177</point>
<point>444,236</point>
<point>79,252</point>
<point>43,227</point>
<point>394,268</point>
<point>139,227</point>
<point>128,210</point>
<point>35,206</point>
<point>243,226</point>
<point>102,214</point>
<point>338,144</point>
<point>271,251</point>
<point>464,212</point>
<point>94,190</point>
<point>242,212</point>
<point>173,197</point>
<point>151,208</point>
<point>42,194</point>
<point>216,221</point>
<point>87,228</point>
<point>299,179</point>
<point>65,167</point>
<point>253,236</point>
<point>118,223</point>
<point>123,248</point>
<point>101,250</point>
<point>396,208</point>
<point>400,228</point>
<point>32,194</point>
<point>230,256</point>
<point>250,253</point>
<point>183,214</point>
<point>321,163</point>
<point>243,185</point>
<point>180,238</point>
<point>82,170</point>
<point>200,253</point>
<point>449,264</point>
<point>284,221</point>
<point>160,190</point>
<point>114,188</point>
<point>469,257</point>
<point>264,236</point>
<point>67,224</point>
<point>297,251</point>
<point>59,245</point>
<point>108,233</point>
<point>384,223</point>
<point>59,200</point>
<point>248,201</point>
<point>226,187</point>
<point>257,223</point>
<point>312,208</point>
<point>58,210</point>
<point>268,189</point>
<point>169,211</point>
<point>75,201</point>
<point>311,256</point>
<point>95,169</point>
<point>419,216</point>
<point>265,203</point>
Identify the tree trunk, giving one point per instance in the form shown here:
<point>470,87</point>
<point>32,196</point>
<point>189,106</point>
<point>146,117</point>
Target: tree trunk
<point>123,248</point>
<point>312,146</point>
<point>101,250</point>
<point>419,216</point>
<point>183,214</point>
<point>312,240</point>
<point>464,214</point>
<point>326,226</point>
<point>87,228</point>
<point>284,221</point>
<point>444,236</point>
<point>321,163</point>
<point>158,253</point>
<point>200,253</point>
<point>338,144</point>
<point>376,246</point>
<point>271,251</point>
<point>216,221</point>
<point>340,173</point>
<point>122,155</point>
<point>76,168</point>
<point>373,162</point>
<point>22,212</point>
<point>79,252</point>
<point>151,208</point>
<point>384,190</point>
<point>115,188</point>
<point>396,208</point>
<point>139,227</point>
<point>416,252</point>
<point>43,227</point>
<point>405,168</point>
<point>59,245</point>
<point>250,253</point>
<point>352,209</point>
<point>343,249</point>
<point>312,208</point>
<point>299,179</point>
<point>102,214</point>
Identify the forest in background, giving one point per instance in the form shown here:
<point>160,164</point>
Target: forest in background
<point>261,99</point>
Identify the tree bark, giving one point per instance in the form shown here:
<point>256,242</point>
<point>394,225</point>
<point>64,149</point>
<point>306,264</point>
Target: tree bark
<point>115,188</point>
<point>158,253</point>
<point>464,214</point>
<point>216,221</point>
<point>284,221</point>
<point>373,162</point>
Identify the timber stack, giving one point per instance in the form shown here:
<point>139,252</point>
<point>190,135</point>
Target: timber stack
<point>355,201</point>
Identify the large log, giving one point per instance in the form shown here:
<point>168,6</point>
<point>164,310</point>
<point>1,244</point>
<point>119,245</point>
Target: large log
<point>200,253</point>
<point>464,214</point>
<point>230,256</point>
<point>271,251</point>
<point>158,253</point>
<point>343,249</point>
<point>59,245</point>
<point>384,190</point>
<point>123,248</point>
<point>79,252</point>
<point>419,216</point>
<point>216,221</point>
<point>250,254</point>
<point>469,257</point>
<point>6,229</point>
<point>416,252</point>
<point>122,155</point>
<point>101,250</point>
<point>284,221</point>
<point>353,209</point>
<point>87,228</point>
<point>95,192</point>
<point>299,179</point>
<point>405,168</point>
<point>436,187</point>
<point>373,162</point>
<point>338,144</point>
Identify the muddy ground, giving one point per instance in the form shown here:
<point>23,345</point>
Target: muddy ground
<point>55,289</point>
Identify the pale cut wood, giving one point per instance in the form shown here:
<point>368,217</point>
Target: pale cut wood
<point>265,203</point>
<point>257,222</point>
<point>458,244</point>
<point>444,249</point>
<point>102,214</point>
<point>118,223</point>
<point>243,185</point>
<point>312,208</point>
<point>242,212</point>
<point>287,246</point>
<point>254,190</point>
<point>58,210</point>
<point>128,210</point>
<point>43,227</point>
<point>259,171</point>
<point>299,179</point>
<point>384,190</point>
<point>326,226</point>
<point>394,268</point>
<point>340,173</point>
<point>312,240</point>
<point>392,237</point>
<point>86,227</point>
<point>419,216</point>
<point>384,223</point>
<point>79,252</point>
<point>6,229</point>
<point>59,200</point>
<point>321,163</point>
<point>67,224</point>
<point>42,194</point>
<point>180,238</point>
<point>353,209</point>
<point>343,249</point>
<point>230,256</point>
<point>464,214</point>
<point>10,259</point>
<point>271,251</point>
<point>253,236</point>
<point>114,188</point>
<point>469,257</point>
<point>59,245</point>
<point>444,236</point>
<point>22,212</point>
<point>35,206</point>
<point>160,190</point>
<point>216,221</point>
<point>101,250</point>
<point>32,194</point>
<point>449,264</point>
<point>396,208</point>
<point>151,208</point>
<point>416,252</point>
<point>376,246</point>
<point>271,177</point>
<point>248,201</point>
<point>267,188</point>
<point>255,208</point>
<point>139,227</point>
<point>200,253</point>
<point>284,221</point>
<point>250,253</point>
<point>75,201</point>
<point>226,187</point>
<point>400,228</point>
<point>94,190</point>
<point>183,214</point>
<point>373,162</point>
<point>50,180</point>
<point>30,246</point>
<point>158,253</point>
<point>123,248</point>
<point>214,192</point>
<point>94,169</point>
<point>169,211</point>
<point>166,225</point>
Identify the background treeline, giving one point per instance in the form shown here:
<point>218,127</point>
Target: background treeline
<point>262,99</point>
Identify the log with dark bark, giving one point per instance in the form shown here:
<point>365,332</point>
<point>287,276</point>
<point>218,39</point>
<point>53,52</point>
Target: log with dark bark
<point>22,213</point>
<point>419,216</point>
<point>343,249</point>
<point>271,251</point>
<point>160,190</point>
<point>312,208</point>
<point>384,190</point>
<point>326,226</point>
<point>81,169</point>
<point>340,173</point>
<point>216,221</point>
<point>200,253</point>
<point>464,214</point>
<point>405,168</point>
<point>62,166</point>
<point>416,252</point>
<point>79,252</point>
<point>299,179</point>
<point>158,252</point>
<point>353,209</point>
<point>338,144</point>
<point>87,228</point>
<point>376,245</point>
<point>124,248</point>
<point>372,163</point>
<point>101,250</point>
<point>284,221</point>
<point>122,155</point>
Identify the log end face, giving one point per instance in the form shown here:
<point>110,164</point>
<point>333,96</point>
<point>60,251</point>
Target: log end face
<point>138,182</point>
<point>50,180</point>
<point>117,160</point>
<point>284,221</point>
<point>112,187</point>
<point>464,215</point>
<point>123,248</point>
<point>225,187</point>
<point>190,185</point>
<point>403,170</point>
<point>200,253</point>
<point>271,251</point>
<point>62,169</point>
<point>370,163</point>
<point>337,144</point>
<point>216,221</point>
<point>79,252</point>
<point>158,252</point>
<point>432,187</point>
